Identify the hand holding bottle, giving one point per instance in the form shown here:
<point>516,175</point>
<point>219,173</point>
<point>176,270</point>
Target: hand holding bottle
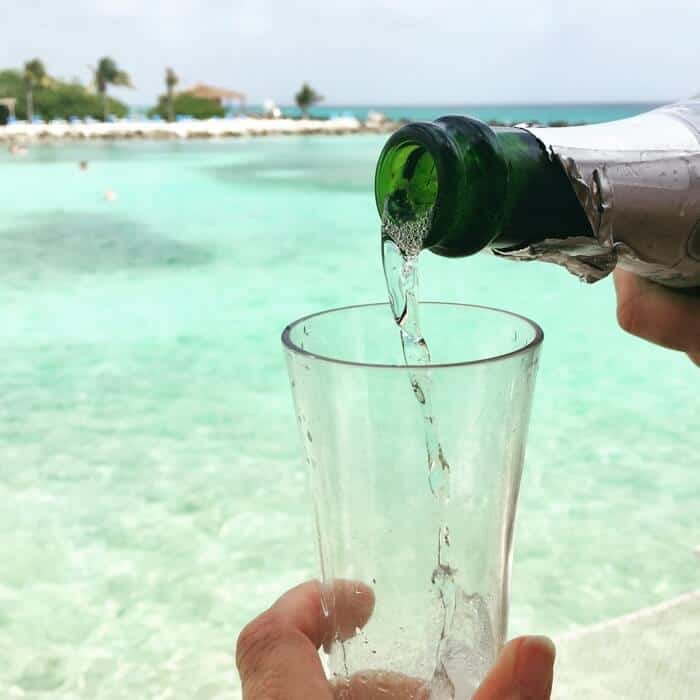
<point>584,197</point>
<point>277,655</point>
<point>658,314</point>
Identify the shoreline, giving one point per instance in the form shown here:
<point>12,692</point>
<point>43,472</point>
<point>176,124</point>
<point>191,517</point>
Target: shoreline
<point>20,133</point>
<point>23,133</point>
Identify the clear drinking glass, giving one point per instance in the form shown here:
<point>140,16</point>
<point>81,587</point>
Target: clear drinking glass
<point>414,586</point>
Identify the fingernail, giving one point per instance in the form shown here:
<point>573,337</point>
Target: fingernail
<point>533,669</point>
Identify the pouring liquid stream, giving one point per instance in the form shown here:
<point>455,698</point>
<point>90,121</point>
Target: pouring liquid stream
<point>401,245</point>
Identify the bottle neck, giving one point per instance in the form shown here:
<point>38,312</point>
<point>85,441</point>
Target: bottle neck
<point>541,202</point>
<point>475,186</point>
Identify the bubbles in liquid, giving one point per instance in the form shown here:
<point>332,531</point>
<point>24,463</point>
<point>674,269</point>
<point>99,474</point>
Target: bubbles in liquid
<point>407,235</point>
<point>466,655</point>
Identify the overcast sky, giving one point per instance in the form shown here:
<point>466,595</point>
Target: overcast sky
<point>373,51</point>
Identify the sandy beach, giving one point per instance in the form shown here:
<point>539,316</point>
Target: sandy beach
<point>21,132</point>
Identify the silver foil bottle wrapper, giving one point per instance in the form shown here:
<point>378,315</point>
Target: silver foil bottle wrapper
<point>638,181</point>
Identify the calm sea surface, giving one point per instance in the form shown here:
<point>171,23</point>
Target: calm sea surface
<point>509,114</point>
<point>153,491</point>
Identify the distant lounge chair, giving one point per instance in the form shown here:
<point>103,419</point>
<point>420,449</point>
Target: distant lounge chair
<point>75,120</point>
<point>38,120</point>
<point>156,118</point>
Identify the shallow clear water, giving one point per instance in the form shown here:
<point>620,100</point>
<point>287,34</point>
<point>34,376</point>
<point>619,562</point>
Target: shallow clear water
<point>507,113</point>
<point>153,489</point>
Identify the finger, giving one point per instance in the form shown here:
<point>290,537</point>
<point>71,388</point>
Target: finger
<point>695,357</point>
<point>381,685</point>
<point>349,605</point>
<point>524,671</point>
<point>655,313</point>
<point>276,653</point>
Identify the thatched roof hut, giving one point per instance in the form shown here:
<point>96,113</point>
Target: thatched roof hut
<point>216,94</point>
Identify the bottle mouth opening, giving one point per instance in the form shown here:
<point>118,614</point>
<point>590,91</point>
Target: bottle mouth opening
<point>406,183</point>
<point>445,180</point>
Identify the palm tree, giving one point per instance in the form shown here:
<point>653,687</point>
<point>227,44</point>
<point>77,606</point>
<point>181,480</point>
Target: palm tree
<point>171,80</point>
<point>307,97</point>
<point>108,73</point>
<point>34,76</point>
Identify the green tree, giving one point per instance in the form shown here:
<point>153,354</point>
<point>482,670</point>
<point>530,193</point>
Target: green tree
<point>189,105</point>
<point>108,73</point>
<point>171,80</point>
<point>34,76</point>
<point>307,97</point>
<point>57,100</point>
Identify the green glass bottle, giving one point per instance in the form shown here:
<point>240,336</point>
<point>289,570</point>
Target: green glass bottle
<point>483,186</point>
<point>588,197</point>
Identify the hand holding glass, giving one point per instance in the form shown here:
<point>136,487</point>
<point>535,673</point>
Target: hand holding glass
<point>378,522</point>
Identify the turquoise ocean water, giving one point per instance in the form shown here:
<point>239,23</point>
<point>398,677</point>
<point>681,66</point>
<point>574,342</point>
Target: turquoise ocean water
<point>153,490</point>
<point>571,113</point>
<point>507,113</point>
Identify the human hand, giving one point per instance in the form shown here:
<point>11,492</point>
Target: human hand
<point>658,314</point>
<point>277,655</point>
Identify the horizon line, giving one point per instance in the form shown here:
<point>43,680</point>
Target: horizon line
<point>504,103</point>
<point>585,103</point>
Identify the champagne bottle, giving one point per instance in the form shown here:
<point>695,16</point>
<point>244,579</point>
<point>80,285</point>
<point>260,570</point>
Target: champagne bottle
<point>589,198</point>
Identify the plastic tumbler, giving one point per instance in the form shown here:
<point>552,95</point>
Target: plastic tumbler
<point>414,585</point>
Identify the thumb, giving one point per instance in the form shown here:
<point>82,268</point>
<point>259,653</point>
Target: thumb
<point>524,671</point>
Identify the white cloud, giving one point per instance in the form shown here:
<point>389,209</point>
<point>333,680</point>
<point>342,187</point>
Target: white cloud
<point>375,50</point>
<point>135,8</point>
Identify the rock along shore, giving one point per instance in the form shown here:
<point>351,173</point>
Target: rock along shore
<point>21,132</point>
